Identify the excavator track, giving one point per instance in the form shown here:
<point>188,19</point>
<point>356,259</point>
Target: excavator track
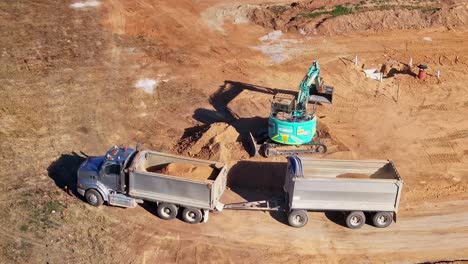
<point>271,149</point>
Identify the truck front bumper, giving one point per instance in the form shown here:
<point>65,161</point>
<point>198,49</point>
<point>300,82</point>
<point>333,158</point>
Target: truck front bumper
<point>80,191</point>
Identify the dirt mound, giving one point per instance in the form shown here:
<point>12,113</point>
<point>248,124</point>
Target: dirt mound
<point>310,18</point>
<point>393,19</point>
<point>280,16</point>
<point>220,142</point>
<point>185,170</point>
<point>217,132</point>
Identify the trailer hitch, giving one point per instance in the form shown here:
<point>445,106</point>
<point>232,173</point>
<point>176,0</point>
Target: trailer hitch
<point>263,205</point>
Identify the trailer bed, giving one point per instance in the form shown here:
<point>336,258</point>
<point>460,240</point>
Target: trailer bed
<point>201,185</point>
<point>324,184</point>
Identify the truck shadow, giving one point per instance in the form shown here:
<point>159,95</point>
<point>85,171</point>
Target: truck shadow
<point>63,172</point>
<point>256,181</point>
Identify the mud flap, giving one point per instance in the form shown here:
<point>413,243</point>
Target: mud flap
<point>205,215</point>
<point>219,206</point>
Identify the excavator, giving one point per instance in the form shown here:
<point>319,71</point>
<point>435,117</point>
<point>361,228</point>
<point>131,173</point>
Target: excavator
<point>292,129</point>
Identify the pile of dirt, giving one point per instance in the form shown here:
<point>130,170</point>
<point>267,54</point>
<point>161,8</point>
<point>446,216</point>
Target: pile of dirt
<point>452,17</point>
<point>280,16</point>
<point>310,18</point>
<point>220,142</point>
<point>186,170</point>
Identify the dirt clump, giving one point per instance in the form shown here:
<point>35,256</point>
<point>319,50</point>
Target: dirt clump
<point>185,170</point>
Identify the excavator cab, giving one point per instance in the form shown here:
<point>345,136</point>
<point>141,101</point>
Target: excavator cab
<point>282,106</point>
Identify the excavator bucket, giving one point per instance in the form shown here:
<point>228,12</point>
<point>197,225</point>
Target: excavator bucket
<point>253,147</point>
<point>322,96</point>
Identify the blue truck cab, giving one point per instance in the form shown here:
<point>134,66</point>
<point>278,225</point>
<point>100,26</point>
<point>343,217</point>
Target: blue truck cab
<point>98,178</point>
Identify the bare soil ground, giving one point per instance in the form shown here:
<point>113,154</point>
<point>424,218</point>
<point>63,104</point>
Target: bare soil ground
<point>193,78</point>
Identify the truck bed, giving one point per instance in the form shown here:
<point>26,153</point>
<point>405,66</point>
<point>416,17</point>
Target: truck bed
<point>176,179</point>
<point>344,185</point>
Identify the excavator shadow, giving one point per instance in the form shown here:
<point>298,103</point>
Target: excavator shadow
<point>220,100</point>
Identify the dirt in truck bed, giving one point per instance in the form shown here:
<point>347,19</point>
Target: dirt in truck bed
<point>354,175</point>
<point>186,170</point>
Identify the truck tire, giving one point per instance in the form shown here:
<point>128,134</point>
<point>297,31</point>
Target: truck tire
<point>192,215</point>
<point>382,219</point>
<point>298,218</point>
<point>355,219</point>
<point>93,197</point>
<point>167,211</point>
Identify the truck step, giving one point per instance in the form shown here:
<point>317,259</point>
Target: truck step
<point>121,200</point>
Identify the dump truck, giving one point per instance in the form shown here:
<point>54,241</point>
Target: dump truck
<point>125,177</point>
<point>355,188</point>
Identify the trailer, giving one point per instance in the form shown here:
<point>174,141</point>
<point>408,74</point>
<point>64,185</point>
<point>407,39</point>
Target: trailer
<point>354,187</point>
<point>125,177</point>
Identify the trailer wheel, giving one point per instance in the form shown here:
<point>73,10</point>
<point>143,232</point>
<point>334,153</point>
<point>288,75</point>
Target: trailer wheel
<point>355,219</point>
<point>167,211</point>
<point>192,215</point>
<point>298,218</point>
<point>382,219</point>
<point>93,197</point>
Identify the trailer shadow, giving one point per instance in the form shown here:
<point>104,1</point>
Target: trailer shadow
<point>257,181</point>
<point>63,172</point>
<point>336,217</point>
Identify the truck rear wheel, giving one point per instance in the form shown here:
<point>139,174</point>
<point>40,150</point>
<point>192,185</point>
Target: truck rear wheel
<point>355,219</point>
<point>167,211</point>
<point>382,219</point>
<point>297,218</point>
<point>192,215</point>
<point>93,197</point>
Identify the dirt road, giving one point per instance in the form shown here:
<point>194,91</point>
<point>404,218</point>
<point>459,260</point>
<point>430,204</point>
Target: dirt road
<point>421,234</point>
<point>89,75</point>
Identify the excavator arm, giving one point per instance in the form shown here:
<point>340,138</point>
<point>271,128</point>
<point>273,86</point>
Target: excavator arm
<point>312,90</point>
<point>310,82</point>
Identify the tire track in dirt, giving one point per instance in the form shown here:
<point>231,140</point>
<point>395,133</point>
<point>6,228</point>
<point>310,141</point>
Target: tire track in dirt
<point>445,149</point>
